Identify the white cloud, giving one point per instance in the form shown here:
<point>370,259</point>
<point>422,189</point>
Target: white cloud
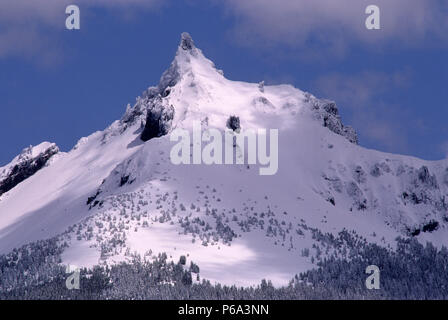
<point>319,28</point>
<point>335,23</point>
<point>363,97</point>
<point>28,27</point>
<point>28,43</point>
<point>384,125</point>
<point>49,11</point>
<point>444,148</point>
<point>358,90</point>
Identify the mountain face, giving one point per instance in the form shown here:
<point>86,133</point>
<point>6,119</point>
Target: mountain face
<point>117,191</point>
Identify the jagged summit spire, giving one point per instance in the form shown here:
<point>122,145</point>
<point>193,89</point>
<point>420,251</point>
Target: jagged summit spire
<point>186,42</point>
<point>181,65</point>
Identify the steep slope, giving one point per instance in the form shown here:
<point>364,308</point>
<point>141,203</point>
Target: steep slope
<point>118,191</point>
<point>55,197</point>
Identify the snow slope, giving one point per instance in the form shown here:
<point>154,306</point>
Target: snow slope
<point>114,194</point>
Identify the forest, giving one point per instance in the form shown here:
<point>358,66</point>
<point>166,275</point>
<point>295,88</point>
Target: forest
<point>411,271</point>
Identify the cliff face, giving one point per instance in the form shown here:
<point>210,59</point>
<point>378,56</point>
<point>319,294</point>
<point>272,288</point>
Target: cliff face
<point>31,160</point>
<point>327,112</point>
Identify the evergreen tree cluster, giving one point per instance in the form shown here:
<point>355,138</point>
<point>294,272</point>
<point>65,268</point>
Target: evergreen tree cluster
<point>411,271</point>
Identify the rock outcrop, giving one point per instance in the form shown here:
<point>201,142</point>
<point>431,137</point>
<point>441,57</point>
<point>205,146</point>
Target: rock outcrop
<point>30,160</point>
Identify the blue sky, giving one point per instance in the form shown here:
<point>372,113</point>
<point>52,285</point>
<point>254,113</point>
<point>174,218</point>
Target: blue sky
<point>390,84</point>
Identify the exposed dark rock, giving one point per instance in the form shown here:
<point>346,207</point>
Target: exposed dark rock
<point>431,226</point>
<point>90,199</point>
<point>424,189</point>
<point>172,75</point>
<point>186,41</point>
<point>425,178</point>
<point>124,180</point>
<point>362,205</point>
<point>331,108</point>
<point>328,113</point>
<point>331,200</point>
<point>158,120</point>
<point>233,123</point>
<point>25,168</point>
<point>133,114</point>
<point>166,92</point>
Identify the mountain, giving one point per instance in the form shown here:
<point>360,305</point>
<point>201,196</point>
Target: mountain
<point>118,192</point>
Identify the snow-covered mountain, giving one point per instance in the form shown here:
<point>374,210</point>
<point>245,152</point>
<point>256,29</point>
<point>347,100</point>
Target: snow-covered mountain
<point>117,192</point>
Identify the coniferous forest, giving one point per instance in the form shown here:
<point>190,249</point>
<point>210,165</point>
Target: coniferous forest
<point>410,271</point>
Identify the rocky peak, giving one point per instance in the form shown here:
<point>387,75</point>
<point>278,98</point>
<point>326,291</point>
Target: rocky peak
<point>186,42</point>
<point>26,164</point>
<point>327,112</point>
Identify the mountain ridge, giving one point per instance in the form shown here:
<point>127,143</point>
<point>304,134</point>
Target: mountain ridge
<point>117,191</point>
